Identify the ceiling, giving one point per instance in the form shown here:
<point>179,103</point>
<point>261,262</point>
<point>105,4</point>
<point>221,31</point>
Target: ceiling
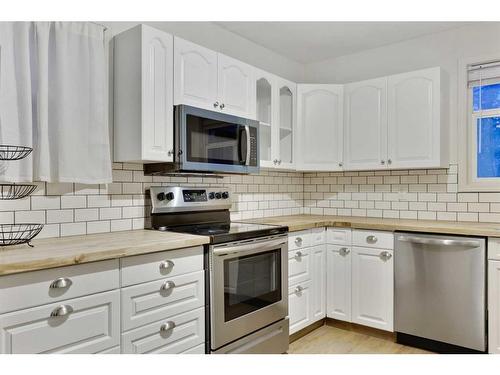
<point>308,42</point>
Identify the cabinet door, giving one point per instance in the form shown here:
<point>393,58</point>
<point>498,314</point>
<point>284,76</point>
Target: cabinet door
<point>195,75</point>
<point>365,124</point>
<point>236,87</point>
<point>88,325</point>
<point>494,306</point>
<point>157,97</point>
<point>372,287</point>
<point>320,127</point>
<point>414,125</point>
<point>266,108</point>
<point>286,93</point>
<point>338,285</point>
<point>299,306</point>
<point>318,282</point>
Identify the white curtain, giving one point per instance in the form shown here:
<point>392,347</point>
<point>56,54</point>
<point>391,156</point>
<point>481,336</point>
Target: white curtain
<point>66,66</point>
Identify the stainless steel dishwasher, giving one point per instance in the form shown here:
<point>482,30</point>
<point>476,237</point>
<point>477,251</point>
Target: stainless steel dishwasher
<point>440,292</point>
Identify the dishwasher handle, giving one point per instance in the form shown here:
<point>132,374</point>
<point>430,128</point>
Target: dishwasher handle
<point>439,242</point>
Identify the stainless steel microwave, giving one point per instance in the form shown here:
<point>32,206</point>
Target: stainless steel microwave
<point>208,141</point>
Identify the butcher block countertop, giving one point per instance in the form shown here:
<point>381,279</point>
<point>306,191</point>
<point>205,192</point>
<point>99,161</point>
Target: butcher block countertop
<point>302,222</point>
<point>66,251</point>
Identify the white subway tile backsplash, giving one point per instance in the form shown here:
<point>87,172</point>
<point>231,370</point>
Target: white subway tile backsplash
<point>73,201</point>
<point>44,203</point>
<point>59,216</point>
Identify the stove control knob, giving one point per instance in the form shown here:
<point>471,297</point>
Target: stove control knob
<point>225,195</point>
<point>161,196</point>
<point>211,195</point>
<point>218,195</point>
<point>169,196</point>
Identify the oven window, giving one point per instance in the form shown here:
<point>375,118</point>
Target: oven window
<point>212,141</point>
<point>251,283</point>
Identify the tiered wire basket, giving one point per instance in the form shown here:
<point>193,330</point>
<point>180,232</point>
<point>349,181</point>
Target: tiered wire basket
<point>16,234</point>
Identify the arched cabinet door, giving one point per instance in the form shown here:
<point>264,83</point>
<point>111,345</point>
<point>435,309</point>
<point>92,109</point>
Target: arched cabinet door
<point>365,125</point>
<point>285,132</point>
<point>414,116</point>
<point>195,75</point>
<point>265,113</point>
<point>320,127</point>
<point>236,87</point>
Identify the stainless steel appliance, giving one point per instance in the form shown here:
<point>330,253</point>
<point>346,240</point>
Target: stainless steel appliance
<point>246,269</point>
<point>440,292</point>
<point>208,141</point>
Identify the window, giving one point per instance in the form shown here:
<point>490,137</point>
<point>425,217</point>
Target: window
<point>479,164</point>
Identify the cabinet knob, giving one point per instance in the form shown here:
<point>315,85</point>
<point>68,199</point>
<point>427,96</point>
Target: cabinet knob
<point>168,285</point>
<point>344,251</point>
<point>62,282</point>
<point>62,310</point>
<point>279,162</point>
<point>170,152</point>
<point>216,104</point>
<point>371,239</point>
<point>298,289</point>
<point>341,164</point>
<point>168,326</point>
<point>275,161</point>
<point>389,161</point>
<point>382,162</point>
<point>166,264</point>
<point>222,106</point>
<point>385,255</point>
<point>298,254</point>
<point>298,240</point>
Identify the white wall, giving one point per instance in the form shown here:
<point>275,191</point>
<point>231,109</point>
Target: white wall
<point>441,49</point>
<point>221,40</point>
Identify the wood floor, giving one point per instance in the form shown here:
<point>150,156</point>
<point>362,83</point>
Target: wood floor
<point>333,340</point>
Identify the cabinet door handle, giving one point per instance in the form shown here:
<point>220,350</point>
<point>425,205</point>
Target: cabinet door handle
<point>62,310</point>
<point>382,162</point>
<point>371,239</point>
<point>216,104</point>
<point>166,264</point>
<point>385,255</point>
<point>279,162</point>
<point>168,326</point>
<point>60,283</point>
<point>389,161</point>
<point>275,161</point>
<point>341,164</point>
<point>222,106</point>
<point>344,251</point>
<point>298,241</point>
<point>170,152</point>
<point>298,289</point>
<point>298,254</point>
<point>168,285</point>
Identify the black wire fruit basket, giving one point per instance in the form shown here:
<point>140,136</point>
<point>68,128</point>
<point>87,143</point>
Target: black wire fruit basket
<point>8,152</point>
<point>10,191</point>
<point>16,234</point>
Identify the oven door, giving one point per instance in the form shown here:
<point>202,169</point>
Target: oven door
<point>216,142</point>
<point>249,287</point>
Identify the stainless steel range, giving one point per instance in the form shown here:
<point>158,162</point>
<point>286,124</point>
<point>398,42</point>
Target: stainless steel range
<point>246,269</point>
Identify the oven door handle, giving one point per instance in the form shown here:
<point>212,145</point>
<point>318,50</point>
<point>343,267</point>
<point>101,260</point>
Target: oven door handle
<point>252,247</point>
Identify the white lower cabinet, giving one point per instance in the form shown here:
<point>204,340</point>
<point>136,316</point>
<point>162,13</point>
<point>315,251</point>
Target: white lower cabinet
<point>318,282</point>
<point>494,306</point>
<point>89,324</point>
<point>373,287</point>
<point>299,306</point>
<point>338,282</point>
<point>177,334</point>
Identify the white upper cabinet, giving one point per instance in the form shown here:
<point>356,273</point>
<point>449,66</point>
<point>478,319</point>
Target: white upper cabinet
<point>195,75</point>
<point>416,137</point>
<point>365,124</point>
<point>287,102</point>
<point>319,135</point>
<point>143,97</point>
<point>236,87</point>
<point>206,79</point>
<point>266,105</point>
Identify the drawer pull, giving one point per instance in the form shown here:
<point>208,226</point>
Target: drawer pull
<point>385,255</point>
<point>344,251</point>
<point>168,285</point>
<point>166,264</point>
<point>298,254</point>
<point>298,240</point>
<point>298,289</point>
<point>371,239</point>
<point>62,282</point>
<point>168,326</point>
<point>62,310</point>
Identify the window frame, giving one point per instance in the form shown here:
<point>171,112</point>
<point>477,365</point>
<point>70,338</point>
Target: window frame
<point>467,120</point>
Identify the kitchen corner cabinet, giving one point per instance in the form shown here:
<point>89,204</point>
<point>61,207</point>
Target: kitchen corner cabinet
<point>365,124</point>
<point>143,96</point>
<point>494,306</point>
<point>416,135</point>
<point>320,128</point>
<point>206,79</point>
<point>275,110</point>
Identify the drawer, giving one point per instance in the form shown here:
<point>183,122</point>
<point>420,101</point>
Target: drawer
<point>318,236</point>
<point>299,266</point>
<point>186,331</point>
<point>156,300</point>
<point>493,248</point>
<point>299,240</point>
<point>24,290</point>
<point>338,236</point>
<point>91,326</point>
<point>149,267</point>
<point>299,306</point>
<point>373,238</point>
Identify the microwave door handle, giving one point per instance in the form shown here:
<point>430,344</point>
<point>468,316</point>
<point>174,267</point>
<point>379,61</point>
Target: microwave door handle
<point>247,131</point>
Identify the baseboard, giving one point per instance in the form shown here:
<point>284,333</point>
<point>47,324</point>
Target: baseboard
<point>369,331</point>
<point>304,331</point>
